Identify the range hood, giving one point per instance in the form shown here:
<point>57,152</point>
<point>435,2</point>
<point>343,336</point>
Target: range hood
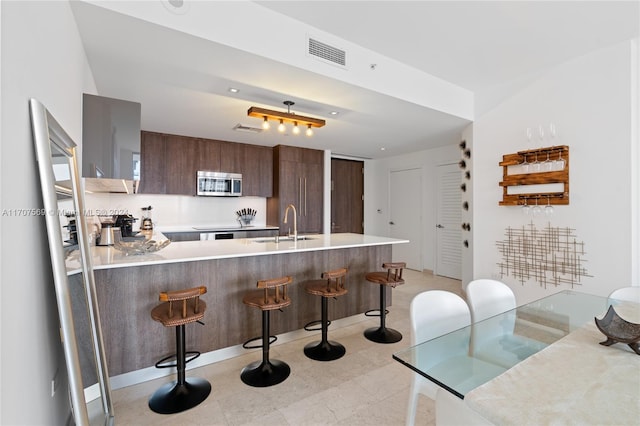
<point>110,186</point>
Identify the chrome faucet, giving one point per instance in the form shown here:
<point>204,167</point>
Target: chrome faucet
<point>295,220</point>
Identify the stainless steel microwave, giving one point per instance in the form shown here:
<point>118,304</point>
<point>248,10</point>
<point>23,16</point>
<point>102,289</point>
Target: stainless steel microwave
<point>217,184</point>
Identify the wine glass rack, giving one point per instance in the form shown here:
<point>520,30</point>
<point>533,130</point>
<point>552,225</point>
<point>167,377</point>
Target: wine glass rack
<point>519,171</point>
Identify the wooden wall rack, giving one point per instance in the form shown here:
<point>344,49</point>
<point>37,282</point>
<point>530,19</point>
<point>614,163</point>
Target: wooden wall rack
<point>558,154</point>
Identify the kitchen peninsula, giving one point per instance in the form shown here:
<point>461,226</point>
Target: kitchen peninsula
<point>127,289</point>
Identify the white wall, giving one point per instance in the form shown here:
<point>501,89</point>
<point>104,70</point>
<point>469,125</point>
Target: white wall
<point>376,193</point>
<point>41,57</point>
<point>589,100</point>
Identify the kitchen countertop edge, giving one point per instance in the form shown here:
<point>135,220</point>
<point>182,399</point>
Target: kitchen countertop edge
<point>193,251</point>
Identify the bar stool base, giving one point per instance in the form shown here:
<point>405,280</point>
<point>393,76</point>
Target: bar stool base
<point>382,335</point>
<point>324,351</point>
<point>262,374</point>
<point>173,397</point>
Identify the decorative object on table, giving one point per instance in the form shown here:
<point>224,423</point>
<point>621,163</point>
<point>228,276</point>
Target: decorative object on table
<point>245,216</point>
<point>619,330</point>
<point>140,246</point>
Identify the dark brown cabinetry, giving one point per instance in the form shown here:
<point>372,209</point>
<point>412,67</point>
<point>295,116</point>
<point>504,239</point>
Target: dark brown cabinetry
<point>181,153</point>
<point>347,191</point>
<point>298,180</point>
<point>257,170</point>
<point>169,164</point>
<point>153,176</point>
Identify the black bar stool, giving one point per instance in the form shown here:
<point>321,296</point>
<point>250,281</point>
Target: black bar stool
<point>391,277</point>
<point>183,393</point>
<point>332,284</point>
<point>267,372</point>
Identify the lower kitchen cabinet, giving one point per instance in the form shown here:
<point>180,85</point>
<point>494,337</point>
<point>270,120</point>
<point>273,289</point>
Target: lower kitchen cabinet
<point>197,235</point>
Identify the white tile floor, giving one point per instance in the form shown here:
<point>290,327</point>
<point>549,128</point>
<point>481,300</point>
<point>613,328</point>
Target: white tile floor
<point>365,387</point>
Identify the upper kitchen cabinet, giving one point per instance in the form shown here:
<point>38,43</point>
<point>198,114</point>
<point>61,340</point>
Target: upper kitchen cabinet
<point>153,174</point>
<point>110,137</point>
<point>181,155</point>
<point>209,152</point>
<point>169,164</point>
<point>298,180</point>
<point>257,170</point>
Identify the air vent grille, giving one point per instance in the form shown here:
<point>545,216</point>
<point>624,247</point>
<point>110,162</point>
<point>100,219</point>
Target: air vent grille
<point>327,53</point>
<point>242,128</point>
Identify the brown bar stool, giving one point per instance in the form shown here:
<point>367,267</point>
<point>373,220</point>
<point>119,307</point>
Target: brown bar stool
<point>271,294</point>
<point>391,277</point>
<point>332,284</point>
<point>181,394</point>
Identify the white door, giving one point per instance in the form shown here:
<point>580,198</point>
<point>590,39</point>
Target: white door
<point>449,222</point>
<point>405,216</point>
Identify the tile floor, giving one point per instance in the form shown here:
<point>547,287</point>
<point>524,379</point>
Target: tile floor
<point>365,387</point>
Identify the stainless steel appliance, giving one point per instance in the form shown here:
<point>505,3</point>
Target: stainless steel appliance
<point>217,184</point>
<point>147,223</point>
<point>108,234</point>
<point>125,223</point>
<point>206,236</point>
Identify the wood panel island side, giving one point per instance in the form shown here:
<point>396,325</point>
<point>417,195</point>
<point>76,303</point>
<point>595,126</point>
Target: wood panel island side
<point>128,287</point>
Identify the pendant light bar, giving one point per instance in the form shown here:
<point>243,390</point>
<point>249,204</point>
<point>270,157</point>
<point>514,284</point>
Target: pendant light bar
<point>286,117</point>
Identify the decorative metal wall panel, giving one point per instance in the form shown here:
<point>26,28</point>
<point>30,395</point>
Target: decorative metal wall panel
<point>551,256</point>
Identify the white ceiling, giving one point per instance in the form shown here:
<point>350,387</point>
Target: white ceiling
<point>476,45</point>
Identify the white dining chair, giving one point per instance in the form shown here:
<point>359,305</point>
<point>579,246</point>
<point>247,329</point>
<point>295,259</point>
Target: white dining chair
<point>493,340</point>
<point>630,294</point>
<point>433,313</point>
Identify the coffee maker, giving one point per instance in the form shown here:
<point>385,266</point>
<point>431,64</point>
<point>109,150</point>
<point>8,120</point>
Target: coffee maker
<point>146,223</point>
<point>125,223</point>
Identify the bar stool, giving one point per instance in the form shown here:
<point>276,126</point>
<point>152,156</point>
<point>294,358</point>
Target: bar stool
<point>332,284</point>
<point>181,394</point>
<point>267,372</point>
<point>391,277</point>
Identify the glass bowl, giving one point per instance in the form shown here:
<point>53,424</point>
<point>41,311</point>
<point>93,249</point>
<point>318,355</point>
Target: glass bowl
<point>140,247</point>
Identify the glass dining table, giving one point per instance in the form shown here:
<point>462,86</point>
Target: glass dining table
<point>464,359</point>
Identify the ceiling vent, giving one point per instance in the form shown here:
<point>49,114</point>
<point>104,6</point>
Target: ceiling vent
<point>242,128</point>
<point>326,52</point>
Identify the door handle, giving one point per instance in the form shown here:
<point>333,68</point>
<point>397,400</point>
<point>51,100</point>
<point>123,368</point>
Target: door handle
<point>439,226</point>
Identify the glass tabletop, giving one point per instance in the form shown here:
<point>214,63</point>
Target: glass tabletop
<point>464,359</point>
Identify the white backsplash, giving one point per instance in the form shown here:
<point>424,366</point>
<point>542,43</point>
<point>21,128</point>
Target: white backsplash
<point>171,212</point>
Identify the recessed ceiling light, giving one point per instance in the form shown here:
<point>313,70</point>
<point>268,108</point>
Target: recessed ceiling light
<point>334,113</point>
<point>383,148</point>
<point>233,90</point>
<point>179,7</point>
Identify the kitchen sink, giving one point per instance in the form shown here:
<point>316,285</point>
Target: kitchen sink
<point>282,239</point>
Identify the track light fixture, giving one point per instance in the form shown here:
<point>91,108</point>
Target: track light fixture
<point>286,117</point>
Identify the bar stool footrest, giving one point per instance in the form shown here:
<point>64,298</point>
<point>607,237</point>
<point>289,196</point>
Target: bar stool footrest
<point>370,314</point>
<point>253,339</point>
<point>189,356</point>
<point>310,324</point>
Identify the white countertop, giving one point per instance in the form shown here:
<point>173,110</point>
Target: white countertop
<point>214,228</point>
<point>189,251</point>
